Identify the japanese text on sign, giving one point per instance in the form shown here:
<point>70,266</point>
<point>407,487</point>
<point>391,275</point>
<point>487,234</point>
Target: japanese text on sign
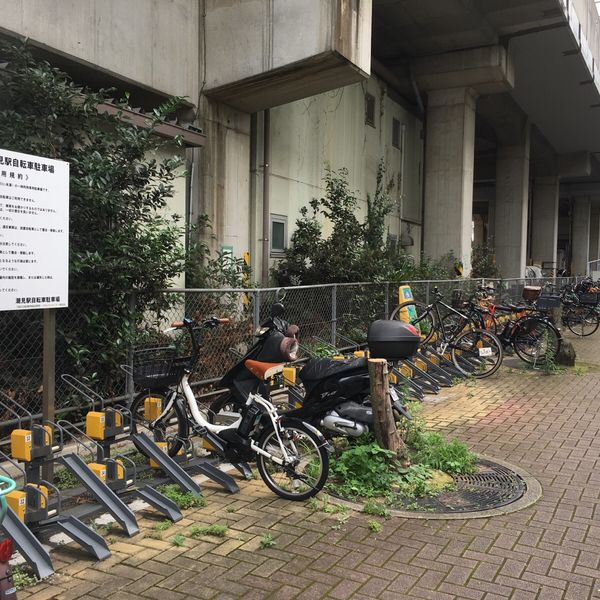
<point>34,231</point>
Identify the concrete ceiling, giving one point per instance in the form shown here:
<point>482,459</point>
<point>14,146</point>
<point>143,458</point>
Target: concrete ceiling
<point>555,90</point>
<point>404,29</point>
<point>551,80</point>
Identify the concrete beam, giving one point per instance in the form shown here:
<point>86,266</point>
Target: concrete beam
<point>449,157</point>
<point>512,204</point>
<point>580,239</point>
<point>544,220</point>
<point>594,251</point>
<point>575,164</point>
<point>487,70</point>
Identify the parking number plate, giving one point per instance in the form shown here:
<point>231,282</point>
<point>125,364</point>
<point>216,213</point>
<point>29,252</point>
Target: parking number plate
<point>485,351</point>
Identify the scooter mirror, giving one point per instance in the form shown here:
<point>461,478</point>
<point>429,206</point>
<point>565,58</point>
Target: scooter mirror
<point>280,294</point>
<point>277,309</point>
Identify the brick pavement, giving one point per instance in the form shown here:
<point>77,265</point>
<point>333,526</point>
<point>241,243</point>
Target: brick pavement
<point>546,424</point>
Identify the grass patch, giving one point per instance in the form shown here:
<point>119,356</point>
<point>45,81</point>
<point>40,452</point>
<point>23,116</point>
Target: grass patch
<point>65,480</point>
<point>374,525</point>
<point>23,577</point>
<point>377,509</point>
<point>184,500</point>
<point>267,541</point>
<point>162,526</point>
<point>178,540</point>
<point>215,530</point>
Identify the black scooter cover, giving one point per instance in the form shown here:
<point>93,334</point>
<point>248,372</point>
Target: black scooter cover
<point>318,369</point>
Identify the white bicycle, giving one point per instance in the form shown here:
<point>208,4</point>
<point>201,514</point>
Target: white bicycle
<point>291,455</point>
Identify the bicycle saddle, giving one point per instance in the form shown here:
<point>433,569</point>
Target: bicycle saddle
<point>263,370</point>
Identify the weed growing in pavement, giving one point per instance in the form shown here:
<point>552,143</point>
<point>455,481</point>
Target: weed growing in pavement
<point>178,540</point>
<point>341,520</point>
<point>163,525</point>
<point>267,541</point>
<point>214,530</point>
<point>65,480</point>
<point>183,499</point>
<point>372,507</point>
<point>23,577</point>
<point>374,525</point>
<point>313,504</point>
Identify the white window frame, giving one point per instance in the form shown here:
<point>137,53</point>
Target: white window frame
<point>278,252</point>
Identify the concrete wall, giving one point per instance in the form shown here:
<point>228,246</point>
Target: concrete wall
<point>152,42</point>
<point>261,53</point>
<point>330,128</point>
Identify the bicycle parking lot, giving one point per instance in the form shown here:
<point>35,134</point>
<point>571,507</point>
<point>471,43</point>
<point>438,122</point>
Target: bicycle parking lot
<point>547,425</point>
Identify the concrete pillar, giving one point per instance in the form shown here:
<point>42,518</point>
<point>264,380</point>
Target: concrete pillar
<point>594,250</point>
<point>580,235</point>
<point>544,220</point>
<point>449,156</point>
<point>512,204</point>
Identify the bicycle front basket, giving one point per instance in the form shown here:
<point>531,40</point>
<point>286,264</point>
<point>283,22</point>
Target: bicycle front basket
<point>458,299</point>
<point>588,298</point>
<point>158,367</point>
<point>548,302</point>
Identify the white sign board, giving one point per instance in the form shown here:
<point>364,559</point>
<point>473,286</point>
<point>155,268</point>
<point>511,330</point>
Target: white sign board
<point>34,232</point>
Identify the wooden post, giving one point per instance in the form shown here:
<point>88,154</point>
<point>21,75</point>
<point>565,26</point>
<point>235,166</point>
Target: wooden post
<point>49,377</point>
<point>383,418</point>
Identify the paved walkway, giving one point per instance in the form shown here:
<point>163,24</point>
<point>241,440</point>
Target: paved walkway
<point>546,424</point>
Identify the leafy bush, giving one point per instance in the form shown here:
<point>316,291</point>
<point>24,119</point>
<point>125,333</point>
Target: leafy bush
<point>453,457</point>
<point>118,191</point>
<point>483,263</point>
<point>354,251</point>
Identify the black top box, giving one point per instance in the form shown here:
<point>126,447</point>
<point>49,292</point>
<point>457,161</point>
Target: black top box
<point>392,340</point>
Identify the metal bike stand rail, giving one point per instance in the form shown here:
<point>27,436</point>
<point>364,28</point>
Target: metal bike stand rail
<point>87,538</point>
<point>27,544</point>
<point>103,494</point>
<point>448,364</point>
<point>441,375</point>
<point>425,380</point>
<point>160,502</point>
<point>415,388</point>
<point>166,463</point>
<point>215,474</point>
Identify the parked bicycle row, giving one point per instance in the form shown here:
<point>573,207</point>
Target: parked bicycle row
<point>427,346</point>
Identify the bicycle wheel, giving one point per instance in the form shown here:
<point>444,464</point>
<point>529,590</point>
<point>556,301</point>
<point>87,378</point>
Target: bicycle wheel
<point>309,471</point>
<point>477,353</point>
<point>535,341</point>
<point>172,428</point>
<point>581,320</point>
<point>416,314</point>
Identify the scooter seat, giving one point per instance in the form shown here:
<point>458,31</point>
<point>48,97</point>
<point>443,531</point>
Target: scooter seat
<point>318,369</point>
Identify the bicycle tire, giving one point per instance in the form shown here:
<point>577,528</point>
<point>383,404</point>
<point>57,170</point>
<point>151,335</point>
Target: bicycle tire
<point>528,337</point>
<point>572,320</point>
<point>469,345</point>
<point>160,433</point>
<point>425,321</point>
<point>268,468</point>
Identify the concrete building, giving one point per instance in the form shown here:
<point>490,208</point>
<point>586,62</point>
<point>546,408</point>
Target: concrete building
<point>486,113</point>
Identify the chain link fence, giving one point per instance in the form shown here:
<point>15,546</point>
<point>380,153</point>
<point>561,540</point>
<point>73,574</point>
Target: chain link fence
<point>328,315</point>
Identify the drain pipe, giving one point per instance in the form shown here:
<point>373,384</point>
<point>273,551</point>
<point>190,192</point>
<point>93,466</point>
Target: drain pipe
<point>266,196</point>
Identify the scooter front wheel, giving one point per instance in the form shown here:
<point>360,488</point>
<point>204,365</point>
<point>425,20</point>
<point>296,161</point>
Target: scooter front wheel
<point>308,472</point>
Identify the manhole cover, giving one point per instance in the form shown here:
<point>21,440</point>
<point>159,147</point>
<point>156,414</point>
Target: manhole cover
<point>493,486</point>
